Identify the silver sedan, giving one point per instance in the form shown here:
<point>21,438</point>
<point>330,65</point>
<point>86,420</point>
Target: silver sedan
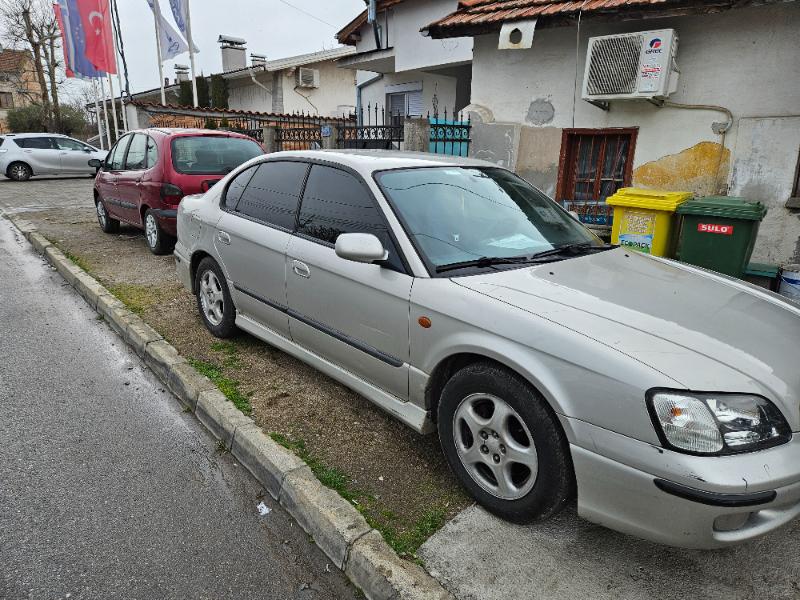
<point>462,300</point>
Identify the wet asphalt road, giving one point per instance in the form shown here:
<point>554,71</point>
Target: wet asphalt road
<point>107,489</point>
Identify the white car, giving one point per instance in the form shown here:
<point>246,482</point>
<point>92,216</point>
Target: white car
<point>462,300</point>
<point>23,155</point>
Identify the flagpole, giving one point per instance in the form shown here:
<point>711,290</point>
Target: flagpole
<point>97,114</point>
<point>156,15</point>
<point>113,107</point>
<point>191,52</point>
<point>119,75</point>
<point>105,113</point>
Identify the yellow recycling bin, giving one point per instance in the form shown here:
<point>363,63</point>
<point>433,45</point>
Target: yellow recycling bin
<point>644,219</point>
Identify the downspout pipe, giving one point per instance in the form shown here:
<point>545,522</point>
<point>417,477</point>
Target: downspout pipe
<point>360,87</point>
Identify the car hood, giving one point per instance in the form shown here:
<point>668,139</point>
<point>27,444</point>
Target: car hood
<point>705,331</point>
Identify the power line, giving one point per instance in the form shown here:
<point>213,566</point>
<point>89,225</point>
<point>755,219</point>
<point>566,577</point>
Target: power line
<point>312,15</point>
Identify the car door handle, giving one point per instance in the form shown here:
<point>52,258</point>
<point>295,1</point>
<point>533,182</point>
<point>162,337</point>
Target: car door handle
<point>301,269</point>
<point>223,238</point>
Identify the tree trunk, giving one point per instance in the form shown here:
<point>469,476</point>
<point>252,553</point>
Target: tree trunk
<point>51,59</point>
<point>36,50</point>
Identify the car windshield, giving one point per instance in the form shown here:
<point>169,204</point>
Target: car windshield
<point>211,155</point>
<point>461,214</point>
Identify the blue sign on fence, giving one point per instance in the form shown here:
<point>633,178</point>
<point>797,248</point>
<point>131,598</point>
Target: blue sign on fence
<point>327,131</point>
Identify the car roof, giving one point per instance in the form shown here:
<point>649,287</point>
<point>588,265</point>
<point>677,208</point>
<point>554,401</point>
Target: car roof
<point>181,131</point>
<point>369,161</point>
<point>26,135</point>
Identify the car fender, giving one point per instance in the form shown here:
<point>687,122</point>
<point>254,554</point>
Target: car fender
<point>579,377</point>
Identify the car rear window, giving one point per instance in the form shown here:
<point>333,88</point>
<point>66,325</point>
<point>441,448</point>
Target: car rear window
<point>211,155</point>
<point>39,143</point>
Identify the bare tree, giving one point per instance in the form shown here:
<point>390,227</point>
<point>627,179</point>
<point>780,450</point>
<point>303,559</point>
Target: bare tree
<point>32,24</point>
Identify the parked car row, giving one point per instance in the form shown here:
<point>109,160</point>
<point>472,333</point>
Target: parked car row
<point>24,155</point>
<point>463,301</point>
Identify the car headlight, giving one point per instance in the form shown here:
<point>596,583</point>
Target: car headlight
<point>716,423</point>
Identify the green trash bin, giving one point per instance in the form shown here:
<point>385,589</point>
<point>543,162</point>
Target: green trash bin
<point>719,232</point>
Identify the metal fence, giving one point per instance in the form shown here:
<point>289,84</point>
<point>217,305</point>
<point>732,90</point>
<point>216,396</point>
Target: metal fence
<point>450,135</point>
<point>301,132</point>
<point>371,130</point>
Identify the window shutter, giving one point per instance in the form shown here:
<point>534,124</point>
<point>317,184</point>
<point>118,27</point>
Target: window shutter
<point>416,106</point>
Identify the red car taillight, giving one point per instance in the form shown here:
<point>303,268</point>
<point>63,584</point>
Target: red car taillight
<point>171,194</point>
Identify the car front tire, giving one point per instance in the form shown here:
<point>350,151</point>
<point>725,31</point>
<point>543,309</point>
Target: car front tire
<point>504,444</point>
<point>214,299</point>
<point>19,171</point>
<point>106,222</point>
<point>157,241</point>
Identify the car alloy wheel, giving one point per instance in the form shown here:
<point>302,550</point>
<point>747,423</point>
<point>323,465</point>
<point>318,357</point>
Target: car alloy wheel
<point>151,230</point>
<point>495,446</point>
<point>212,298</point>
<point>20,172</point>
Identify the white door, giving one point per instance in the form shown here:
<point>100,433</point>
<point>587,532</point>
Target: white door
<point>41,154</point>
<point>352,314</point>
<point>74,156</point>
<point>260,208</point>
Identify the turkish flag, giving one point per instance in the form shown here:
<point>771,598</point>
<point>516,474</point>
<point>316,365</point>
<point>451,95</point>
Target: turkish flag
<point>95,17</point>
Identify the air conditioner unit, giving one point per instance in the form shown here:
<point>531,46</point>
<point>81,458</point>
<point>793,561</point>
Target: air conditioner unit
<point>307,78</point>
<point>630,66</point>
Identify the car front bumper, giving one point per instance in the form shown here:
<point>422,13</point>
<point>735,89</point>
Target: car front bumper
<point>681,500</point>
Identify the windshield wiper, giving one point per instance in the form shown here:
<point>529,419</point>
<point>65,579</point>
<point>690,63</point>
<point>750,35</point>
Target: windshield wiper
<point>484,261</point>
<point>573,249</point>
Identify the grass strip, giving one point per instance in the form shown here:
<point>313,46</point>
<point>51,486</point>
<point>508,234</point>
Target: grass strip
<point>403,540</point>
<point>229,387</point>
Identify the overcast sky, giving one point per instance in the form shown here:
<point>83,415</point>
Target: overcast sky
<point>270,27</point>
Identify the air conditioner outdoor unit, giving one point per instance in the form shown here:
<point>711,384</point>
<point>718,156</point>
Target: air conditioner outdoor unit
<point>630,66</point>
<point>307,78</point>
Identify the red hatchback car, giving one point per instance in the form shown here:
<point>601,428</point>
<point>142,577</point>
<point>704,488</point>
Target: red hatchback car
<point>147,172</point>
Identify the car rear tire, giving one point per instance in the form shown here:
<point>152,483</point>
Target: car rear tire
<point>214,299</point>
<point>106,222</point>
<point>19,171</point>
<point>504,444</point>
<point>158,241</point>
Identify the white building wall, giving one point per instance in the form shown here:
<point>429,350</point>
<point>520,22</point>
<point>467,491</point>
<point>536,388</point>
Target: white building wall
<point>743,59</point>
<point>337,90</point>
<point>412,49</point>
<point>243,94</point>
<point>443,87</point>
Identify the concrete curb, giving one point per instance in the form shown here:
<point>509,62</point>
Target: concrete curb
<point>336,526</point>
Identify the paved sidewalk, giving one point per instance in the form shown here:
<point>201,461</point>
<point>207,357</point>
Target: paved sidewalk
<point>107,489</point>
<point>480,557</point>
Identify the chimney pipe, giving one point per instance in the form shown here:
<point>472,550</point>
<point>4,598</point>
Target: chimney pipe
<point>234,52</point>
<point>181,73</point>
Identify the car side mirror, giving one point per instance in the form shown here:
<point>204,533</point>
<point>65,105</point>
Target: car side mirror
<point>96,163</point>
<point>360,247</point>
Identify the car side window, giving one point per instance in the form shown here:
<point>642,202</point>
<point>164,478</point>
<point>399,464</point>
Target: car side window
<point>117,154</point>
<point>151,152</point>
<point>68,144</point>
<point>137,152</point>
<point>336,202</point>
<point>37,143</point>
<point>236,187</point>
<point>273,193</point>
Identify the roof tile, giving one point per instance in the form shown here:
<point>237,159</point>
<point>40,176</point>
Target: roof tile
<point>492,13</point>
